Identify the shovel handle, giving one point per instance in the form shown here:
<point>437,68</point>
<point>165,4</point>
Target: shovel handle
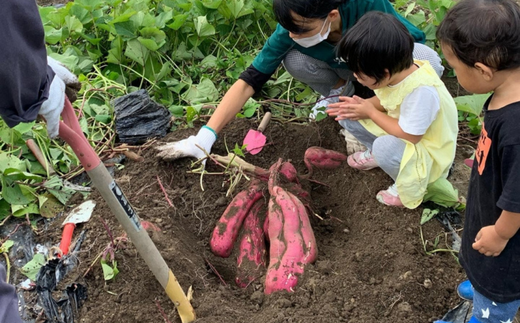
<point>71,132</point>
<point>66,237</point>
<point>264,122</point>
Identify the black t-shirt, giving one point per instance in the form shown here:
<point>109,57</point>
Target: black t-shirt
<point>24,75</point>
<point>494,186</point>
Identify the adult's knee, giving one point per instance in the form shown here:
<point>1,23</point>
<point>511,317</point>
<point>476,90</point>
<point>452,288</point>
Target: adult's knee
<point>300,66</point>
<point>425,53</point>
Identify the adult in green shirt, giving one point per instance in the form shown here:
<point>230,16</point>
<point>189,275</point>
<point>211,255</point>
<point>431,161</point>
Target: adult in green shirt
<point>304,41</point>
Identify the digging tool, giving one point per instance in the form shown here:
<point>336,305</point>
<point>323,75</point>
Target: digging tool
<point>255,139</point>
<point>71,132</point>
<point>79,214</point>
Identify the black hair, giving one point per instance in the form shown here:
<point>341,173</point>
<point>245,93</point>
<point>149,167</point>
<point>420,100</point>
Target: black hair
<point>377,43</point>
<point>485,31</point>
<point>311,9</point>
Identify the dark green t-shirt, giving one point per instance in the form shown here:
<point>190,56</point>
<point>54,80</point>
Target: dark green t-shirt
<point>279,44</point>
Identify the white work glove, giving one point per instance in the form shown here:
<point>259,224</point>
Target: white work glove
<point>353,145</point>
<point>205,139</point>
<point>64,82</point>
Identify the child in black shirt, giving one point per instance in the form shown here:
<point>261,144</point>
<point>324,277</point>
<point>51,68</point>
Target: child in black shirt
<point>480,39</point>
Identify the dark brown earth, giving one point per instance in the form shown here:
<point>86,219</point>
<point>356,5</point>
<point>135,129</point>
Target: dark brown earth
<point>371,267</point>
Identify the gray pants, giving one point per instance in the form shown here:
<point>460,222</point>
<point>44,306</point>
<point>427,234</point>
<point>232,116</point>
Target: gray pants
<point>387,150</point>
<point>322,78</point>
<point>8,300</point>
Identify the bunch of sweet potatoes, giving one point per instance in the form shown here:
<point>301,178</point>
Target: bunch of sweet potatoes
<point>273,213</point>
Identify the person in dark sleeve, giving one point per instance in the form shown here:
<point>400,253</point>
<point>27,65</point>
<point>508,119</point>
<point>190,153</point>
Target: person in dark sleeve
<point>480,39</point>
<point>304,41</point>
<point>31,84</point>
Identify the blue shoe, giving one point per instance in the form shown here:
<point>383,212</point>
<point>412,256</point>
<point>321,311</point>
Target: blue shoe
<point>465,290</point>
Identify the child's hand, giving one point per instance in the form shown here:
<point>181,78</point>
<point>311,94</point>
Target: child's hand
<point>488,242</point>
<point>354,108</point>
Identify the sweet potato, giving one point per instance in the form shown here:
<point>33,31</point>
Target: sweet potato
<point>287,246</point>
<point>310,248</point>
<point>297,190</point>
<point>322,158</point>
<point>266,227</point>
<point>287,169</point>
<point>274,176</point>
<point>226,231</point>
<point>252,256</point>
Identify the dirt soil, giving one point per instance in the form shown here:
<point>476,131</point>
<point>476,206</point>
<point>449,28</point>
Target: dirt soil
<point>371,266</point>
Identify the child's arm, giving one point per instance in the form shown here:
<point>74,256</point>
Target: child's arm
<point>357,109</point>
<point>375,101</point>
<point>345,101</point>
<point>491,240</point>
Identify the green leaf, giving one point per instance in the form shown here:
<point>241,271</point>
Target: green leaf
<point>109,272</point>
<point>149,43</point>
<point>136,51</point>
<point>90,4</point>
<point>32,268</point>
<point>52,35</point>
<point>471,103</point>
<point>211,4</point>
<point>5,209</point>
<point>12,193</point>
<point>205,91</point>
<point>4,248</point>
<point>163,18</point>
<point>24,127</point>
<point>56,187</point>
<point>177,110</point>
<point>126,29</point>
<point>17,175</point>
<point>103,118</point>
<point>237,9</point>
<point>442,193</point>
<point>8,161</point>
<point>191,113</point>
<point>73,24</point>
<point>178,21</point>
<point>203,27</point>
<point>250,107</point>
<point>22,210</point>
<point>239,150</point>
<point>81,13</point>
<point>49,205</point>
<point>428,214</point>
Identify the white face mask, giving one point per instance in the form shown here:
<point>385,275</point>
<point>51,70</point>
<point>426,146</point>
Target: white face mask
<point>314,39</point>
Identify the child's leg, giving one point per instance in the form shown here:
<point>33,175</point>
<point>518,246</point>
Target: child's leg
<point>487,311</point>
<point>388,151</point>
<point>357,130</point>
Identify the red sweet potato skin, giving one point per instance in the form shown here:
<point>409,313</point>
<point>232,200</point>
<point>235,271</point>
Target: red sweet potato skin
<point>226,231</point>
<point>286,249</point>
<point>287,169</point>
<point>310,248</point>
<point>252,256</point>
<point>322,158</point>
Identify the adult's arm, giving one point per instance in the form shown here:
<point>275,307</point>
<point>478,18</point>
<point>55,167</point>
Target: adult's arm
<point>25,77</point>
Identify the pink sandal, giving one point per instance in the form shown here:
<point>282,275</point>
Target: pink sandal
<point>390,197</point>
<point>362,160</point>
